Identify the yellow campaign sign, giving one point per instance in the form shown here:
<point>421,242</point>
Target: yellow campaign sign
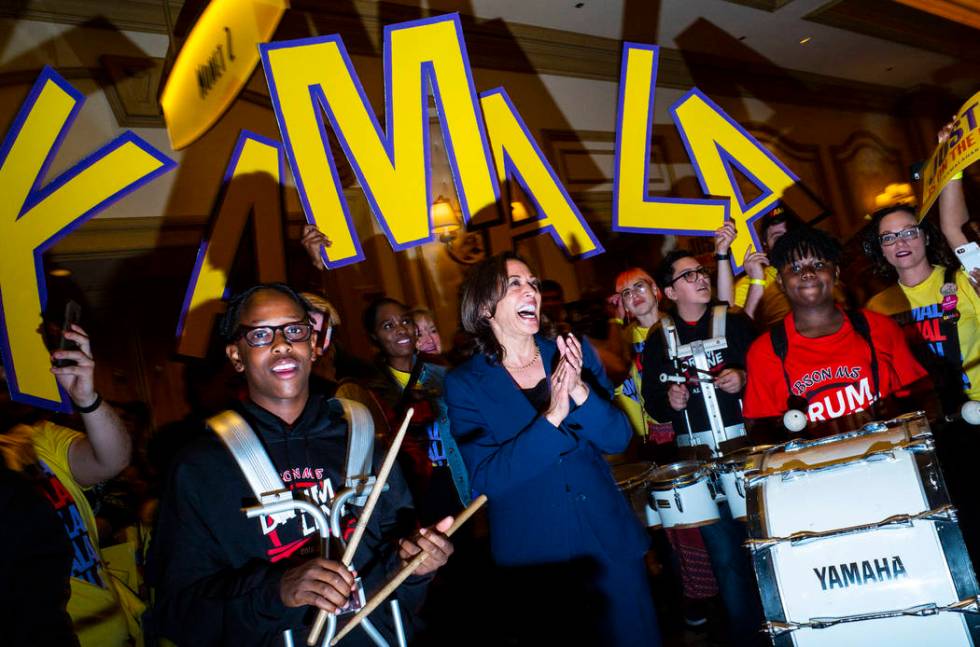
<point>960,149</point>
<point>718,146</point>
<point>517,155</point>
<point>312,81</point>
<point>33,216</point>
<point>633,210</point>
<point>215,63</point>
<point>252,186</point>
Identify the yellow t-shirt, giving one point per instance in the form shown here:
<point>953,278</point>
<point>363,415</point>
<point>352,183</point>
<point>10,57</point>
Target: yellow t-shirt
<point>918,309</point>
<point>94,606</point>
<point>773,306</point>
<point>629,394</point>
<point>400,376</point>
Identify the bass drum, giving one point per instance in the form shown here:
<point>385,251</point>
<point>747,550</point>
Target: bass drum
<point>854,541</point>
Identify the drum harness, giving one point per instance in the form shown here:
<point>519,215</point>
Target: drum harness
<point>780,346</point>
<point>698,349</point>
<point>275,499</point>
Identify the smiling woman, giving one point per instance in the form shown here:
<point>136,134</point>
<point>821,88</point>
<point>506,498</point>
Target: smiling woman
<point>429,458</point>
<point>533,417</point>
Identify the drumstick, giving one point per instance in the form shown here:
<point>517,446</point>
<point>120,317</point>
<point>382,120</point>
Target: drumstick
<point>379,484</point>
<point>404,573</point>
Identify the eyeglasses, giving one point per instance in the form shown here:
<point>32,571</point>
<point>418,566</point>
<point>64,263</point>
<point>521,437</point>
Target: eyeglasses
<point>691,276</point>
<point>889,239</point>
<point>640,288</point>
<point>257,336</point>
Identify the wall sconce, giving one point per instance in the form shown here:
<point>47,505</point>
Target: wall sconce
<point>518,212</point>
<point>896,193</point>
<point>444,220</point>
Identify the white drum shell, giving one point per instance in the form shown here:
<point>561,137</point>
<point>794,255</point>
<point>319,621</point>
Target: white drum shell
<point>686,506</point>
<point>733,485</point>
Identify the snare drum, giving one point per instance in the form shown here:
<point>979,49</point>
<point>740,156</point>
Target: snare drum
<point>730,471</point>
<point>633,480</point>
<point>854,541</point>
<point>683,494</point>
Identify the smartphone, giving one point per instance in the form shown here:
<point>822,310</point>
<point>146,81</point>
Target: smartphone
<point>73,314</point>
<point>915,171</point>
<point>969,256</point>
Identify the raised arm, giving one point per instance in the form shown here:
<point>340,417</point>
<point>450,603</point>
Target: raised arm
<point>723,242</point>
<point>106,448</point>
<point>953,214</point>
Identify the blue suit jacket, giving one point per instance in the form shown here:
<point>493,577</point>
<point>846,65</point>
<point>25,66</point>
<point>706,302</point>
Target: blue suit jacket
<point>552,496</point>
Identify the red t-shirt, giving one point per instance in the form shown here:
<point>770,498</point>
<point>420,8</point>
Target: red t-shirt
<point>833,372</point>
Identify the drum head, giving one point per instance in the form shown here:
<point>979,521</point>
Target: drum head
<point>677,474</point>
<point>627,475</point>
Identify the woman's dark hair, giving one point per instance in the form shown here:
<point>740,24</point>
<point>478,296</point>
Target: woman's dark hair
<point>936,249</point>
<point>369,318</point>
<point>665,271</point>
<point>804,241</point>
<point>228,326</point>
<point>482,289</point>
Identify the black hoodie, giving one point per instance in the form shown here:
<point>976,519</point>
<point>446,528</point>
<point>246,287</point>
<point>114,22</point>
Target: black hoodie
<point>217,572</point>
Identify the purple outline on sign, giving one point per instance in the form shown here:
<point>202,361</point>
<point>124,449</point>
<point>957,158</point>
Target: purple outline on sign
<point>627,48</point>
<point>428,78</point>
<point>38,193</point>
<point>243,137</point>
<point>510,170</point>
<point>727,158</point>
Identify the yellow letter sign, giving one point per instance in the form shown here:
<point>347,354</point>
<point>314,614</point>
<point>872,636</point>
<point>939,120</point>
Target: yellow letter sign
<point>252,185</point>
<point>312,78</point>
<point>633,210</point>
<point>33,217</point>
<point>517,155</point>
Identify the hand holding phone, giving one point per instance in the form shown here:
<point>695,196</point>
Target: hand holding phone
<point>73,314</point>
<point>969,256</point>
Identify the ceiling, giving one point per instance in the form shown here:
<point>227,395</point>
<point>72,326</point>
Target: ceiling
<point>899,44</point>
<point>901,57</point>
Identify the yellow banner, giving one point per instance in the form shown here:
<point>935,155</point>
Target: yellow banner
<point>960,149</point>
<point>215,63</point>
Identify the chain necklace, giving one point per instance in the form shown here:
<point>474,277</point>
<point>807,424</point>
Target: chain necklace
<point>537,354</point>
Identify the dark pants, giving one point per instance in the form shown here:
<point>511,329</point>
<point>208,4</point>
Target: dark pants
<point>732,565</point>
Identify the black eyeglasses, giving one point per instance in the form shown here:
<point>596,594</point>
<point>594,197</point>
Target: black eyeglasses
<point>257,336</point>
<point>889,239</point>
<point>691,275</point>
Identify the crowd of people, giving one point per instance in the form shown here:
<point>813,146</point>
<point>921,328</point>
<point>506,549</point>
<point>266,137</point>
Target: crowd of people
<point>530,407</point>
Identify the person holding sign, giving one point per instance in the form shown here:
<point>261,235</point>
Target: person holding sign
<point>222,578</point>
<point>533,417</point>
<point>64,463</point>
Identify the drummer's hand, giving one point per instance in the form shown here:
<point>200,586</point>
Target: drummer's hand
<point>313,239</point>
<point>433,541</point>
<point>570,351</point>
<point>730,380</point>
<point>559,406</point>
<point>677,396</point>
<point>318,582</point>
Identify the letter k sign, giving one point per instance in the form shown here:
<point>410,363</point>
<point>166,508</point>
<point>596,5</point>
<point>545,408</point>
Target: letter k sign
<point>34,217</point>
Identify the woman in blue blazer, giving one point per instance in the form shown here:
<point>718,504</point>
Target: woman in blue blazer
<point>533,418</point>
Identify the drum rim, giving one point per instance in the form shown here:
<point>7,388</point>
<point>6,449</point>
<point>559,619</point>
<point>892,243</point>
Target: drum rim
<point>733,461</point>
<point>632,481</point>
<point>699,473</point>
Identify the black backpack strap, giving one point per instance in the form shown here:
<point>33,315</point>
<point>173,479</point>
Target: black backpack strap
<point>780,346</point>
<point>861,327</point>
<point>951,347</point>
